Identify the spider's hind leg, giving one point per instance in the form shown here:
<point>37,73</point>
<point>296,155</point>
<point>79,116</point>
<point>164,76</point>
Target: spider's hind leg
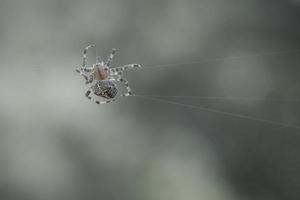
<point>87,94</point>
<point>126,83</point>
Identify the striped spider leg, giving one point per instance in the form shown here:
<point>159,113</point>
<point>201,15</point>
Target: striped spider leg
<point>84,69</point>
<point>120,79</point>
<point>111,57</point>
<point>120,70</point>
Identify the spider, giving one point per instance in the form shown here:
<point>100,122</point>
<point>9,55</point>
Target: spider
<point>103,78</point>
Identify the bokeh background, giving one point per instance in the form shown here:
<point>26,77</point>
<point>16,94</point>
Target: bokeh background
<point>56,144</point>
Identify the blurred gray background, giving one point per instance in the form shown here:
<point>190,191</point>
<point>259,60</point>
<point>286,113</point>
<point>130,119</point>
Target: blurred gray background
<point>56,144</point>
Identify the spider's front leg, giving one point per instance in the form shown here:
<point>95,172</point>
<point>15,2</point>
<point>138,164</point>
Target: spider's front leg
<point>83,70</point>
<point>87,95</point>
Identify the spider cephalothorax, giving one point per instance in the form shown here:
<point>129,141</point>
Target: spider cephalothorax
<point>103,78</point>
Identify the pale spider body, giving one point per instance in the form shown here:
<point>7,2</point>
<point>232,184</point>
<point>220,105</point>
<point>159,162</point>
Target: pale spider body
<point>103,79</point>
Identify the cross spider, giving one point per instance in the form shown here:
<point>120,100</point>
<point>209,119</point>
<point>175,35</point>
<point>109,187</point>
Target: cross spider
<point>103,78</point>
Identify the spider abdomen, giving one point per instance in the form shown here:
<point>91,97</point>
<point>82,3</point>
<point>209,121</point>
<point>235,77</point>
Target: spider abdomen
<point>106,89</point>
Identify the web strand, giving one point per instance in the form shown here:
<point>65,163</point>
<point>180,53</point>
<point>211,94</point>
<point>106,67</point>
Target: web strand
<point>265,54</point>
<point>220,112</point>
<point>223,98</point>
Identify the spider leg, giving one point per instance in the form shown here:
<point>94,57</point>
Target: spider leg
<point>126,83</point>
<point>85,55</point>
<point>79,71</point>
<point>111,57</point>
<point>129,92</point>
<point>115,73</point>
<point>90,80</point>
<point>87,94</point>
<point>87,79</point>
<point>125,67</point>
<point>88,69</point>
